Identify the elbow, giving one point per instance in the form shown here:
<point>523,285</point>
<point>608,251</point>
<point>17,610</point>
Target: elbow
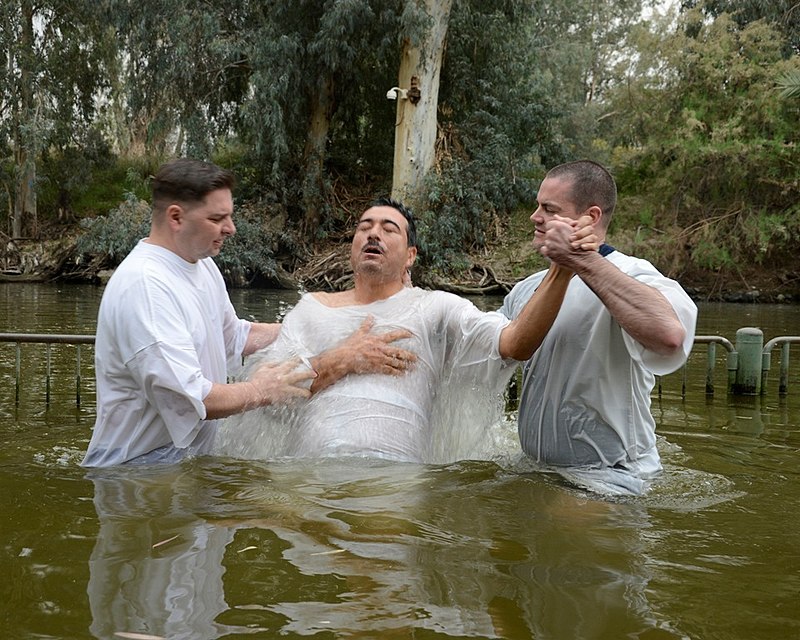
<point>671,341</point>
<point>517,351</point>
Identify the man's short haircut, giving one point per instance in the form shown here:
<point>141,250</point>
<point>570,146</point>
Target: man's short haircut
<point>187,180</point>
<point>407,214</point>
<point>592,185</point>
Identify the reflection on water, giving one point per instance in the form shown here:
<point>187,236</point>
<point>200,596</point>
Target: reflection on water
<point>211,548</point>
<point>481,549</point>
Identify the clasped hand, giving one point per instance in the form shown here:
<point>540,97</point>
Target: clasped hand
<point>567,240</point>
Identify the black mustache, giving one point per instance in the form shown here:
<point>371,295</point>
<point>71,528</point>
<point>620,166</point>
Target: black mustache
<point>372,244</point>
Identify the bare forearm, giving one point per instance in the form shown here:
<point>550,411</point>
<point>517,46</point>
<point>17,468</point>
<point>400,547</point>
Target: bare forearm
<point>270,383</point>
<point>521,338</point>
<point>261,335</point>
<point>228,399</point>
<point>642,311</point>
<point>330,366</point>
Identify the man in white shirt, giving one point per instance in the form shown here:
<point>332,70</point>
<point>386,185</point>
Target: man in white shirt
<point>168,337</point>
<point>462,353</point>
<point>585,399</point>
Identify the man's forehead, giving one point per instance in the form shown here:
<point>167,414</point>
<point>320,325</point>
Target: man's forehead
<point>554,191</point>
<point>385,214</point>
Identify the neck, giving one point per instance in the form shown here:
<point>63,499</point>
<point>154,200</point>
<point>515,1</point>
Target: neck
<point>369,290</point>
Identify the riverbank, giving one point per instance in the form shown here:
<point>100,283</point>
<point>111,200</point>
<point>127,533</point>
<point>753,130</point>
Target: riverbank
<point>492,270</point>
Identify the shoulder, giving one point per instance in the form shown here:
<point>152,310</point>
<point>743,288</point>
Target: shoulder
<point>442,300</point>
<point>632,265</point>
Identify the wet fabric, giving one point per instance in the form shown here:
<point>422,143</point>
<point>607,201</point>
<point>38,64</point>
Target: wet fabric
<point>585,400</point>
<point>166,331</point>
<point>438,411</point>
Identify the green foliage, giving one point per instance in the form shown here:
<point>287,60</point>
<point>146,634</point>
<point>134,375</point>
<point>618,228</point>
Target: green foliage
<point>713,155</point>
<point>300,50</point>
<point>87,180</point>
<point>782,15</point>
<point>108,239</point>
<point>249,256</point>
<point>789,83</point>
<point>179,69</point>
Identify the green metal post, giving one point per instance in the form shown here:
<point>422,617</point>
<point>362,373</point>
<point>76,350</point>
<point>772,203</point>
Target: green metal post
<point>711,361</point>
<point>783,384</point>
<point>749,345</point>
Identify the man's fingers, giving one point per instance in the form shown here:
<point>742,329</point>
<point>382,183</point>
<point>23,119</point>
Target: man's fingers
<point>367,325</point>
<point>299,392</point>
<point>394,335</point>
<point>288,371</point>
<point>569,221</point>
<point>293,377</point>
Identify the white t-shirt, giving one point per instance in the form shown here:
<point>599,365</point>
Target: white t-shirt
<point>454,386</point>
<point>166,331</point>
<point>585,399</point>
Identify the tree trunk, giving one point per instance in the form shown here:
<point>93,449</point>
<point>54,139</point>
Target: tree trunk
<point>314,155</point>
<point>25,133</point>
<point>24,195</point>
<point>415,129</point>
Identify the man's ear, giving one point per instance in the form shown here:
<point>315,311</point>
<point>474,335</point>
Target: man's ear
<point>174,215</point>
<point>412,257</point>
<point>596,213</point>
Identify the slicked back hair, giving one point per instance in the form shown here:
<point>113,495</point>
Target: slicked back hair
<point>405,211</point>
<point>592,185</point>
<point>187,180</point>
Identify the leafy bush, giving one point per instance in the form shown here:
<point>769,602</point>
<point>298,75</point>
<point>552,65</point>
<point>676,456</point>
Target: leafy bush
<point>249,256</point>
<point>108,239</point>
<point>715,164</point>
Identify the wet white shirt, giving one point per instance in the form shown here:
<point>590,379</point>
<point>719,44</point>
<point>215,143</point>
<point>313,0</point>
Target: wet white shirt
<point>166,331</point>
<point>436,412</point>
<point>585,400</point>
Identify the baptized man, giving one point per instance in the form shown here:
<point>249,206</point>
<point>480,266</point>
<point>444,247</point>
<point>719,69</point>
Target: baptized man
<point>465,357</point>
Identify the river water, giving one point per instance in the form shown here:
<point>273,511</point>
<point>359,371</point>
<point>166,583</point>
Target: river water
<point>477,549</point>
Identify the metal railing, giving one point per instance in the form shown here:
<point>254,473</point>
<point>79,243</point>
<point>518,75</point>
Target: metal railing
<point>766,361</point>
<point>748,362</point>
<point>48,339</point>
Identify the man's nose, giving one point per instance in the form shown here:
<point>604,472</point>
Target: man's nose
<point>229,228</point>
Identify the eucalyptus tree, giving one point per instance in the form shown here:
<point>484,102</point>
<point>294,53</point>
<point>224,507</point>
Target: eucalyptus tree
<point>180,74</point>
<point>782,15</point>
<point>585,46</point>
<point>418,100</point>
<point>52,66</point>
<point>496,117</point>
<point>317,110</point>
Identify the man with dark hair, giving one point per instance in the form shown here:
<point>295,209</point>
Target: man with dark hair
<point>585,400</point>
<point>168,337</point>
<point>461,354</point>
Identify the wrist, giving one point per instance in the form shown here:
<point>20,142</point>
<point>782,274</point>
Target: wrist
<point>582,262</point>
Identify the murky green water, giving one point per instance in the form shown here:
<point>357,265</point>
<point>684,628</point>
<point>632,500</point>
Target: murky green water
<point>481,549</point>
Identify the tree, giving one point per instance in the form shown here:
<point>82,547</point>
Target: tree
<point>181,74</point>
<point>417,105</point>
<point>782,15</point>
<point>317,107</point>
<point>53,67</point>
<point>712,155</point>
